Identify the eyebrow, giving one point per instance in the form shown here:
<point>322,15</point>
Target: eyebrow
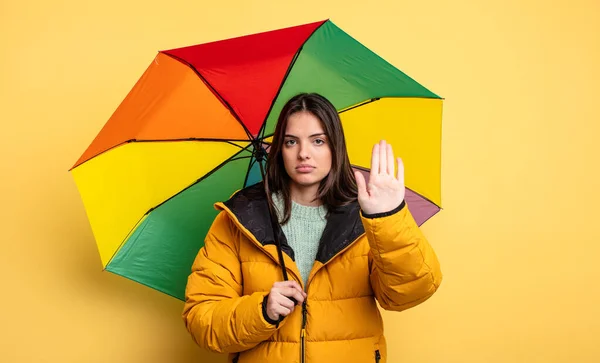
<point>313,135</point>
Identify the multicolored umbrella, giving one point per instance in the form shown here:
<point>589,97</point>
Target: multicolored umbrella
<point>188,133</point>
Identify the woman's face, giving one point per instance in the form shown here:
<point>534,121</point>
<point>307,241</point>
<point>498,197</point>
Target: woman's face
<point>306,150</point>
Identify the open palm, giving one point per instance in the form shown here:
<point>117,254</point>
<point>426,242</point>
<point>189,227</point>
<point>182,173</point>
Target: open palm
<point>385,190</point>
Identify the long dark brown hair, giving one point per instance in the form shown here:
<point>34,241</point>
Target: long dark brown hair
<point>338,188</point>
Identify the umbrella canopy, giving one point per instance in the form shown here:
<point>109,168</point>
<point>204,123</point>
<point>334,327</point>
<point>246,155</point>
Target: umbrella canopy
<point>190,131</point>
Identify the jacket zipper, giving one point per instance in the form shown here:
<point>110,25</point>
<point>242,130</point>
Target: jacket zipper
<point>377,356</point>
<point>305,310</point>
<point>303,333</point>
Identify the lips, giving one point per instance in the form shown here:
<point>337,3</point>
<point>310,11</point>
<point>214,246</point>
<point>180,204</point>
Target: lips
<point>305,168</point>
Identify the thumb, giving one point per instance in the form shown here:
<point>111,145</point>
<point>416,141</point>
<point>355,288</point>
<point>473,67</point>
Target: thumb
<point>360,183</point>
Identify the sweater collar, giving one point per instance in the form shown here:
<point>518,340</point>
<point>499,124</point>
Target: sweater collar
<point>304,212</point>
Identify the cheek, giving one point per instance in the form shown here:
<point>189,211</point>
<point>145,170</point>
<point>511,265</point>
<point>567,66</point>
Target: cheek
<point>326,158</point>
<point>287,158</point>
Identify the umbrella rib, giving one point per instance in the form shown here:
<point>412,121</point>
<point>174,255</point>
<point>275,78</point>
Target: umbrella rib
<point>232,158</point>
<point>342,111</point>
<point>131,231</point>
<point>264,124</point>
<point>360,104</point>
<point>216,93</point>
<point>240,158</point>
<point>364,103</point>
<point>248,171</point>
<point>287,73</point>
<point>228,141</point>
<point>374,99</point>
<point>136,225</point>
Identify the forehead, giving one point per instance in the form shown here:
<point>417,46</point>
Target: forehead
<point>303,124</point>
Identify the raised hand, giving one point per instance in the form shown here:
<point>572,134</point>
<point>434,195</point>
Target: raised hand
<point>385,190</point>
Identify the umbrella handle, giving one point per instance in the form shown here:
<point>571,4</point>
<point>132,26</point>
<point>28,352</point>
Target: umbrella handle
<point>274,226</point>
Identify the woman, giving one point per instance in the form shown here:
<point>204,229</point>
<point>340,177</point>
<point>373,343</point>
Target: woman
<point>345,245</point>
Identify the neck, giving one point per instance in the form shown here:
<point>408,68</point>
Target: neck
<point>305,195</point>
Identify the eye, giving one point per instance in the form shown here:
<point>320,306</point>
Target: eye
<point>320,141</point>
<point>289,142</point>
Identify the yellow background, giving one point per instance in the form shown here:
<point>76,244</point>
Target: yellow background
<point>518,239</point>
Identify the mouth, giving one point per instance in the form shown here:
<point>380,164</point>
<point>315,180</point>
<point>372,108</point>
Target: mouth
<point>305,168</point>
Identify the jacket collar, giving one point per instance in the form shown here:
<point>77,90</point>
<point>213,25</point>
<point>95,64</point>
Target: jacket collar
<point>250,207</point>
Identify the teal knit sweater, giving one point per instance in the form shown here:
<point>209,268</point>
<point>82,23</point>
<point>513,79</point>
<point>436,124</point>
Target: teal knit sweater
<point>303,232</point>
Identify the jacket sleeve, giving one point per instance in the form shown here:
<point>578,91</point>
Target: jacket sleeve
<point>216,314</point>
<point>404,269</point>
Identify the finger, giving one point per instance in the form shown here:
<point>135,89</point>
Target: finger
<point>299,288</point>
<point>292,292</point>
<point>285,284</point>
<point>282,310</point>
<point>296,285</point>
<point>299,296</point>
<point>390,160</point>
<point>375,160</point>
<point>361,185</point>
<point>383,158</point>
<point>284,301</point>
<point>287,291</point>
<point>283,288</point>
<point>296,299</point>
<point>400,172</point>
<point>272,313</point>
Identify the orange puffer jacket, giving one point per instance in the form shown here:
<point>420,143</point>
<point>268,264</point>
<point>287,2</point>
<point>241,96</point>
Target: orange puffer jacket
<point>361,260</point>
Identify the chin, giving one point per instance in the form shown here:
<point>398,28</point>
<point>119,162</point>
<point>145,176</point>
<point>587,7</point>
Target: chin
<point>306,180</point>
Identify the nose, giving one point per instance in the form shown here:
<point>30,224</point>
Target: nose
<point>303,151</point>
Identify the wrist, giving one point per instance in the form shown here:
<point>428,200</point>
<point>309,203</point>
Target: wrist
<point>265,313</point>
<point>372,215</point>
